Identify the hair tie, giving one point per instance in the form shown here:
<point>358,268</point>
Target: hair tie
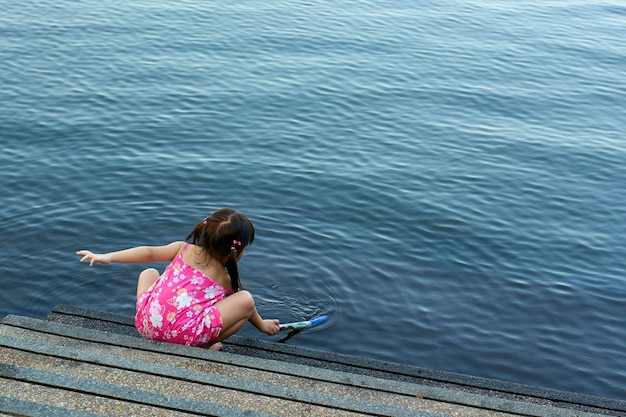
<point>235,242</point>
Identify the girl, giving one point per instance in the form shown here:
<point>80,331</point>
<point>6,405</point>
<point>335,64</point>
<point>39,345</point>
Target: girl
<point>198,300</point>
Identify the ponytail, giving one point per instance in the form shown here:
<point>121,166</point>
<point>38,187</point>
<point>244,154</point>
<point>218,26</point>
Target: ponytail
<point>233,271</point>
<point>224,235</point>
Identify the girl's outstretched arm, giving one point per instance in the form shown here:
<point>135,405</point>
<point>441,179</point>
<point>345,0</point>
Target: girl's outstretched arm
<point>270,327</point>
<point>139,254</point>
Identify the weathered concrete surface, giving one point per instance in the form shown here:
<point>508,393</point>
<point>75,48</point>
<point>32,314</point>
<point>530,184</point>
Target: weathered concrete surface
<point>80,362</point>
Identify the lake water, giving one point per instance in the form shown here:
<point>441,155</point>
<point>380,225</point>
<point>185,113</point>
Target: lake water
<point>445,179</point>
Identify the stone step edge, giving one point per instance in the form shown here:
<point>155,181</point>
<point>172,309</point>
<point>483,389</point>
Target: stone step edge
<point>176,374</point>
<point>391,368</point>
<point>397,387</point>
<point>119,393</point>
<point>267,365</point>
<point>21,408</point>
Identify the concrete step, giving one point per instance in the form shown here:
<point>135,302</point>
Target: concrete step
<point>45,348</point>
<point>84,361</point>
<point>437,385</point>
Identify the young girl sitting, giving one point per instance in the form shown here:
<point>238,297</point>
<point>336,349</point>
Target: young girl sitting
<point>197,301</point>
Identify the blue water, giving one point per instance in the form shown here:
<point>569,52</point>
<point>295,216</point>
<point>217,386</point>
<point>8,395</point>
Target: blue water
<point>444,179</point>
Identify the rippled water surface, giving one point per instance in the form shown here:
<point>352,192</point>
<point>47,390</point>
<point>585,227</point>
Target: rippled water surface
<point>446,180</point>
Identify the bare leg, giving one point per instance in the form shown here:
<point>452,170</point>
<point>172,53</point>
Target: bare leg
<point>236,309</point>
<point>146,279</point>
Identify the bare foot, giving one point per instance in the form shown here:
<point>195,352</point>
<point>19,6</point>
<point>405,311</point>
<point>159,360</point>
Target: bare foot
<point>216,346</point>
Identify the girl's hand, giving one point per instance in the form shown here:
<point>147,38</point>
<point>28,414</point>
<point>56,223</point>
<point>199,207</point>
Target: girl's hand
<point>270,327</point>
<point>93,257</point>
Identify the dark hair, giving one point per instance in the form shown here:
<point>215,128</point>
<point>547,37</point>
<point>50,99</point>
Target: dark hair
<point>224,235</point>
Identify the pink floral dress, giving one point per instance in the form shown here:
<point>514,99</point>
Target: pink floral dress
<point>179,306</point>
